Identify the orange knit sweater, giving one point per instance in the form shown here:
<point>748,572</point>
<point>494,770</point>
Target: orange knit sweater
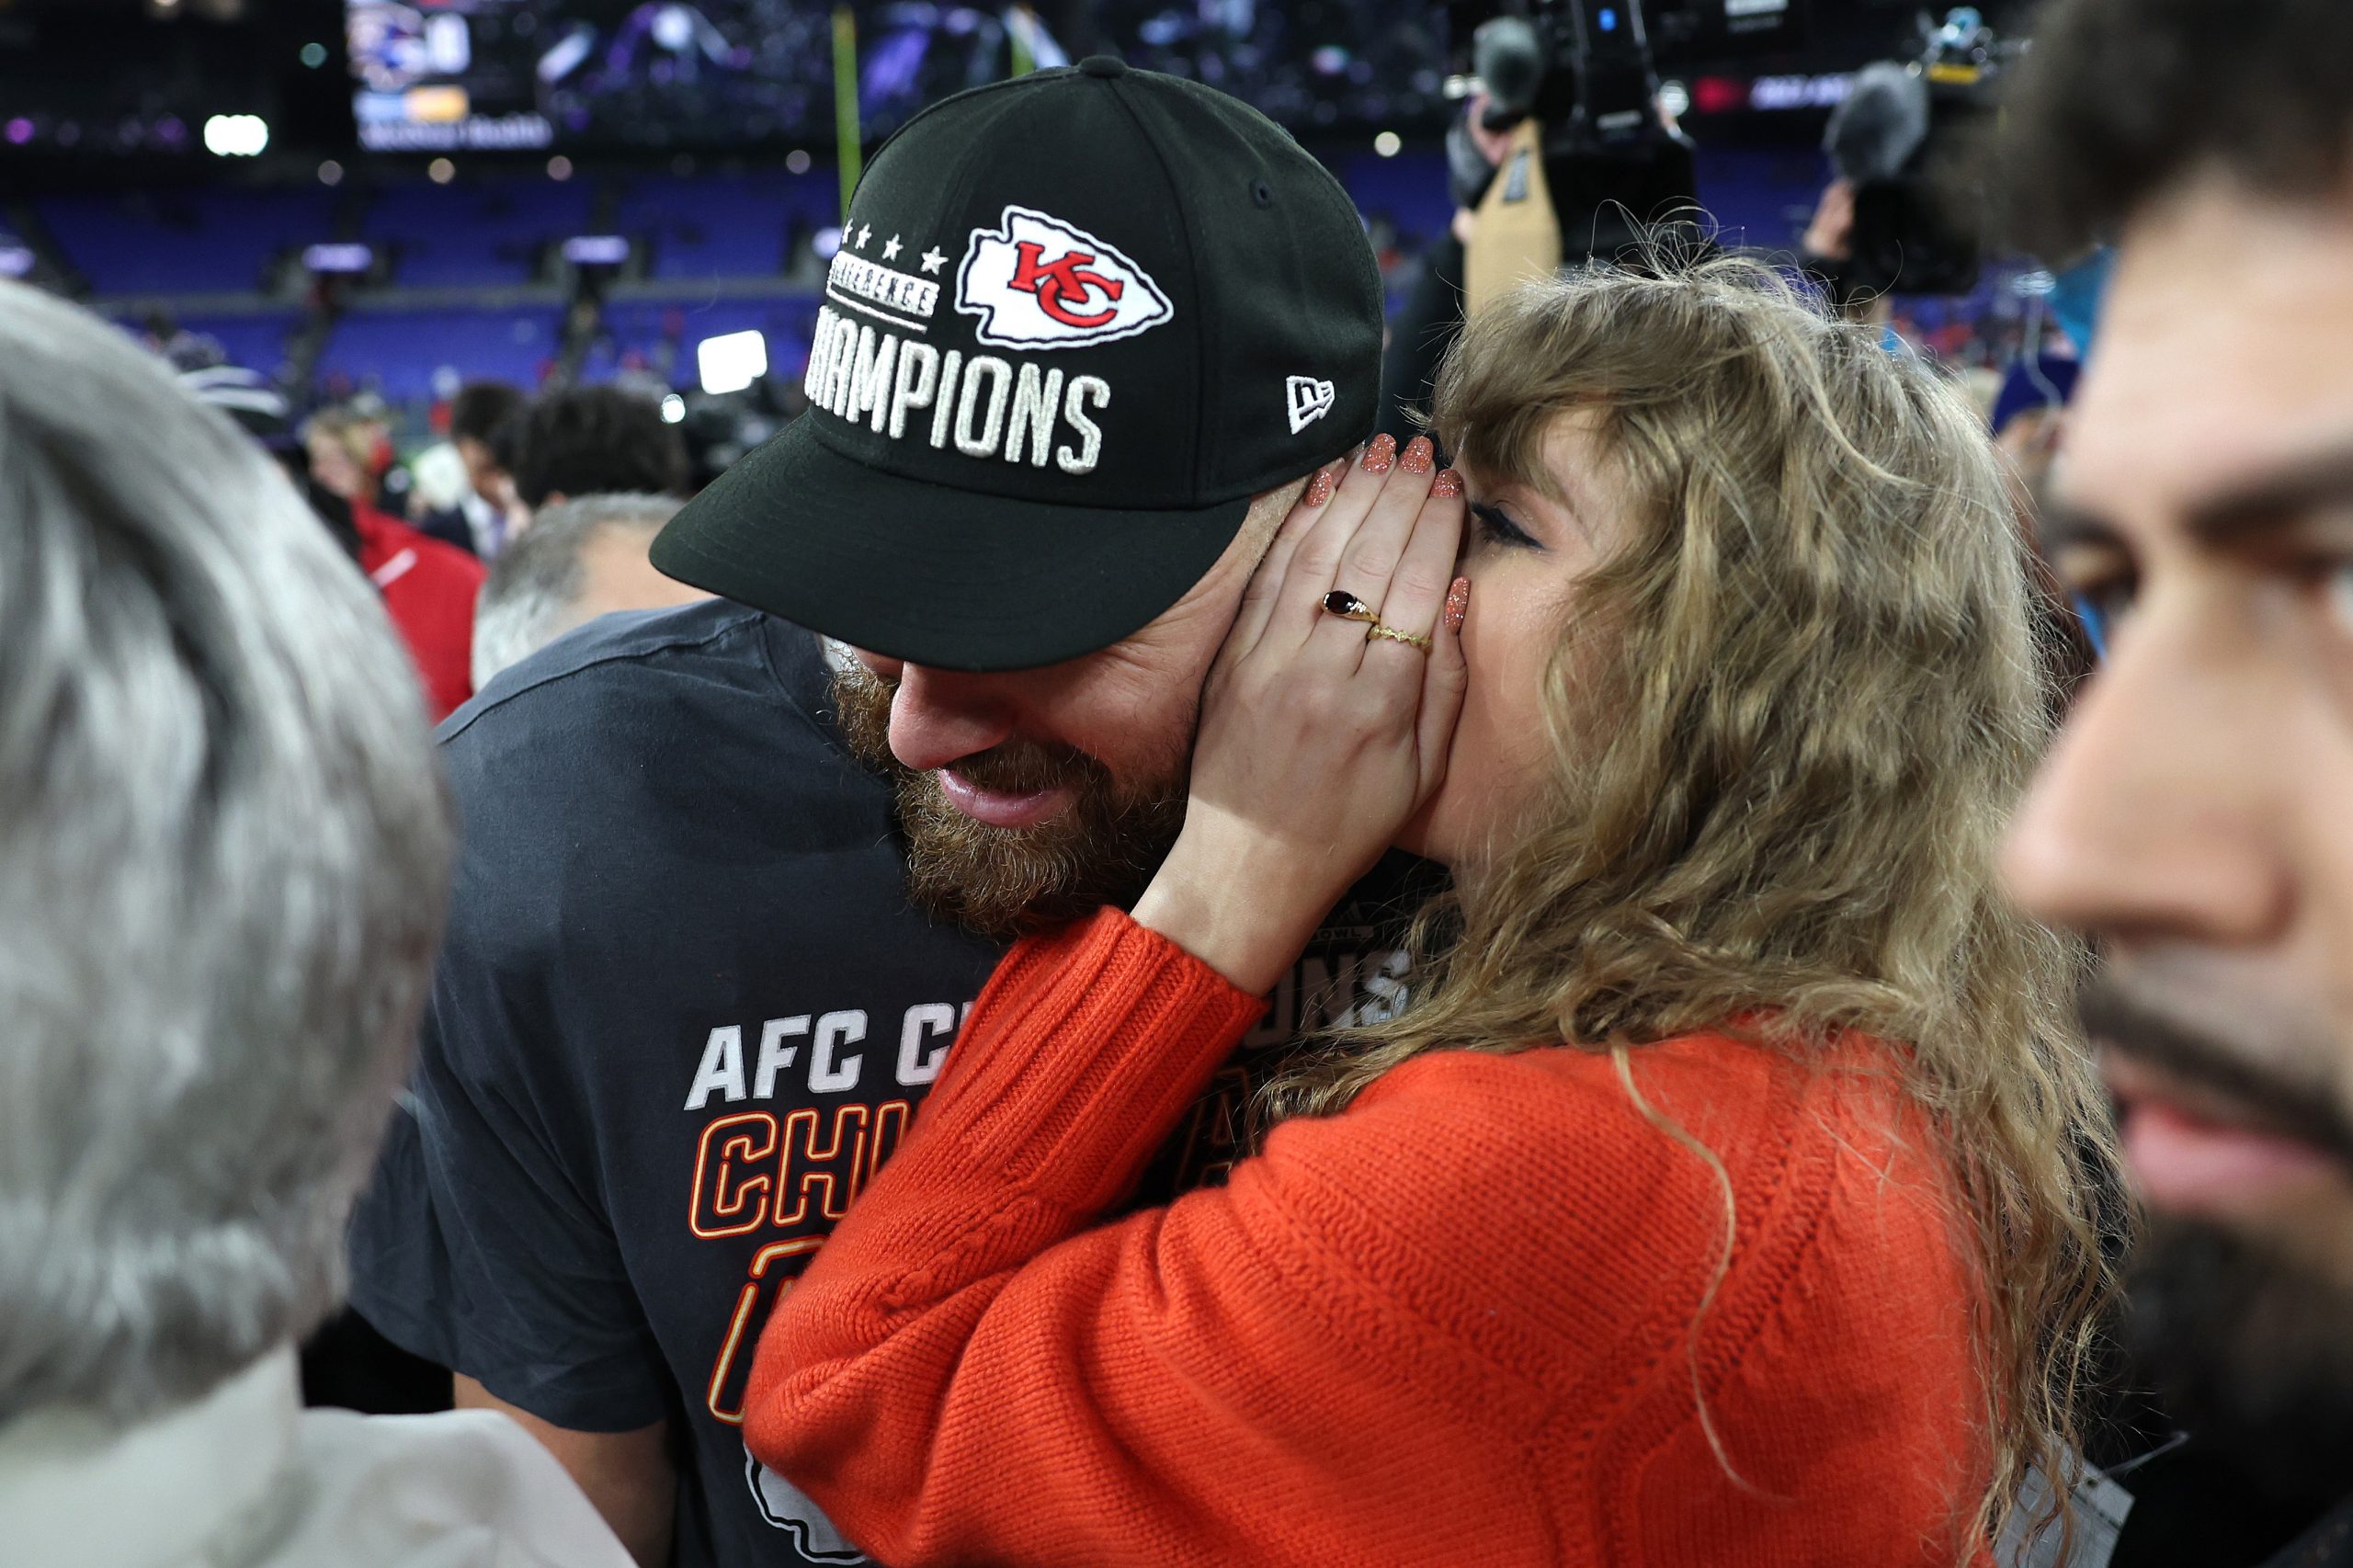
<point>1451,1324</point>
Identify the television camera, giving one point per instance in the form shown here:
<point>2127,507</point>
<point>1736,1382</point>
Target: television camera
<point>1901,138</point>
<point>1580,75</point>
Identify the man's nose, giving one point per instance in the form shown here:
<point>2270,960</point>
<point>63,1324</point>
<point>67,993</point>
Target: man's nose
<point>2154,816</point>
<point>941,716</point>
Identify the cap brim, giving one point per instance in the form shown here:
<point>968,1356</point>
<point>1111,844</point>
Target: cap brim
<point>939,576</point>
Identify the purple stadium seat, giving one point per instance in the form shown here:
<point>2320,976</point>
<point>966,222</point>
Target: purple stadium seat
<point>257,342</point>
<point>661,334</point>
<point>399,351</point>
<point>488,232</point>
<point>184,241</point>
<point>728,226</point>
<point>1409,190</point>
<point>1762,197</point>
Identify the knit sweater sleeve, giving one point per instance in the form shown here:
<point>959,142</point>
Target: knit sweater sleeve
<point>975,1369</point>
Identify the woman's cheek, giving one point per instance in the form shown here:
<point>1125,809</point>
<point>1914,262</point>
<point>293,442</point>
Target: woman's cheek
<point>1499,745</point>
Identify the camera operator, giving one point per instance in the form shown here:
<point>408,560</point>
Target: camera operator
<point>1432,315</point>
<point>1561,155</point>
<point>1896,214</point>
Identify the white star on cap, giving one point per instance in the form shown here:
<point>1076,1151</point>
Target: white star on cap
<point>865,232</point>
<point>932,260</point>
<point>891,251</point>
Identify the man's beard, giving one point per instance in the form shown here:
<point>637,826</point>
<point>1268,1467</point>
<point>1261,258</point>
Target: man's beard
<point>2252,1350</point>
<point>2253,1354</point>
<point>1101,848</point>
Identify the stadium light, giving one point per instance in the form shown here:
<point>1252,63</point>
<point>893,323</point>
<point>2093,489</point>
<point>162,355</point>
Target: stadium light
<point>441,171</point>
<point>732,361</point>
<point>1387,143</point>
<point>236,135</point>
<point>346,259</point>
<point>674,409</point>
<point>596,250</point>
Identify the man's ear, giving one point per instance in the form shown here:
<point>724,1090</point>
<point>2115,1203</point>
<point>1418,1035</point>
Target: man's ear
<point>1283,497</point>
<point>1268,510</point>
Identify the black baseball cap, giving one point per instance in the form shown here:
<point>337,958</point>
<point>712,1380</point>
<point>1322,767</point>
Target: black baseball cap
<point>1078,320</point>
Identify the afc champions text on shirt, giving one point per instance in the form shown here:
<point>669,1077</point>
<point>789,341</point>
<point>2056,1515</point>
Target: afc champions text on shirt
<point>786,1175</point>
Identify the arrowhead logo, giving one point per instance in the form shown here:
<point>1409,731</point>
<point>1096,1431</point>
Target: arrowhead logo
<point>1311,400</point>
<point>1037,282</point>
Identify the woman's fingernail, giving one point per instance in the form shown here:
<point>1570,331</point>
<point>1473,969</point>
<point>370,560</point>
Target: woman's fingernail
<point>1448,482</point>
<point>1381,454</point>
<point>1457,603</point>
<point>1420,457</point>
<point>1319,489</point>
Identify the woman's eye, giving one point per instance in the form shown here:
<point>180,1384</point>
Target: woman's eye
<point>1496,527</point>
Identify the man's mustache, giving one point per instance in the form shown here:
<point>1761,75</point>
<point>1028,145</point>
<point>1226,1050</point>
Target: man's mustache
<point>2305,1109</point>
<point>1021,768</point>
<point>1012,768</point>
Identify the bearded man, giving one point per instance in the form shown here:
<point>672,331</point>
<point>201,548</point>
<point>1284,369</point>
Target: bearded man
<point>2193,814</point>
<point>1087,336</point>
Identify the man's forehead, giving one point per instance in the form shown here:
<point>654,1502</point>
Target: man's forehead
<point>2224,355</point>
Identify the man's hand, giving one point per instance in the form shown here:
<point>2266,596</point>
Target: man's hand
<point>1831,235</point>
<point>628,1476</point>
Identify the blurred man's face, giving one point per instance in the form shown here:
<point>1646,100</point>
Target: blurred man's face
<point>483,472</point>
<point>333,465</point>
<point>2197,814</point>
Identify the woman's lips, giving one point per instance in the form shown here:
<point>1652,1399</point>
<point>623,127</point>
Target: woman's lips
<point>999,808</point>
<point>2190,1153</point>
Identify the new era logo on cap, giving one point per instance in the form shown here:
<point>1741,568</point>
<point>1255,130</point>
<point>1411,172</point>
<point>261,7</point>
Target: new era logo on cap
<point>1039,282</point>
<point>1311,400</point>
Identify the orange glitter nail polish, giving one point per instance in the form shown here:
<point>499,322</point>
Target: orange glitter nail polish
<point>1448,482</point>
<point>1458,602</point>
<point>1419,457</point>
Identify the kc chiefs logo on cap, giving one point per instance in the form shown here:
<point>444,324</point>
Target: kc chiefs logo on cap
<point>1039,282</point>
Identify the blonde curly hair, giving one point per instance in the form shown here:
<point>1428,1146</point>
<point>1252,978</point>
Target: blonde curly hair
<point>1790,720</point>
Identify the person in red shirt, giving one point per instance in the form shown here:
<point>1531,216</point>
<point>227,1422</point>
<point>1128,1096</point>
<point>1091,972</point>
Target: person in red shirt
<point>429,587</point>
<point>1726,1193</point>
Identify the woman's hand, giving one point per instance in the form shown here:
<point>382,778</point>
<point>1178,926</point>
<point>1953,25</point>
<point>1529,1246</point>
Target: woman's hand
<point>1318,741</point>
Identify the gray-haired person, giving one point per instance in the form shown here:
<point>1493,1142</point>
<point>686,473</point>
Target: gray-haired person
<point>579,559</point>
<point>222,867</point>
